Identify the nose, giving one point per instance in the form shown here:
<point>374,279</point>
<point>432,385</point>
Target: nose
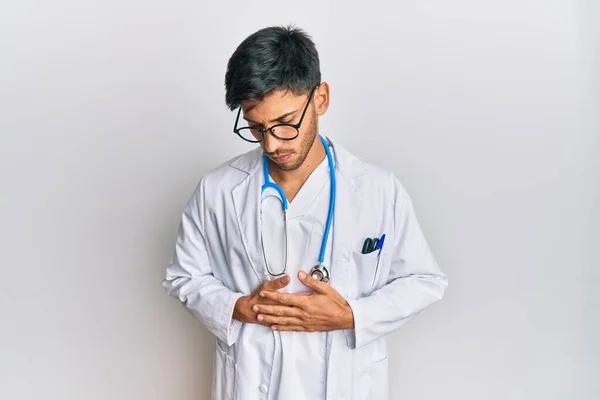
<point>270,142</point>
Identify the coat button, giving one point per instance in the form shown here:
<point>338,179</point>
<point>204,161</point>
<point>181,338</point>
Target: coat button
<point>263,388</point>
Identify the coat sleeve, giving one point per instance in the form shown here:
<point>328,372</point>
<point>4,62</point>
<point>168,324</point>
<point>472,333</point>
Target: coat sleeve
<point>415,281</point>
<point>189,276</point>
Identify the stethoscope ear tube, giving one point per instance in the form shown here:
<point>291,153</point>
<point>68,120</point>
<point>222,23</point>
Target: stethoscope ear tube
<point>320,272</point>
<point>367,245</point>
<point>370,245</point>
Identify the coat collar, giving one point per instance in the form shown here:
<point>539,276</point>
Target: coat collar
<point>347,209</point>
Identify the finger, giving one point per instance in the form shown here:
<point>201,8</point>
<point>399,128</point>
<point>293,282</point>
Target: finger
<point>276,284</point>
<point>312,283</point>
<point>264,300</point>
<point>281,311</point>
<point>283,298</point>
<point>274,320</point>
<point>260,301</point>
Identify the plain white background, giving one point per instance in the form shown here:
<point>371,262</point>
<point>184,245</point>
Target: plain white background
<point>488,112</point>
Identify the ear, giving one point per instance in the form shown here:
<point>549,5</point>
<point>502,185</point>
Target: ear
<point>321,98</point>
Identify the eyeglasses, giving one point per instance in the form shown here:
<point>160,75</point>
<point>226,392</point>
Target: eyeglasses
<point>280,131</point>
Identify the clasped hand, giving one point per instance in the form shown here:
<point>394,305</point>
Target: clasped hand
<point>322,310</point>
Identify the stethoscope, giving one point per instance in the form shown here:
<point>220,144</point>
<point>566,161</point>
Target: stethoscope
<point>319,271</point>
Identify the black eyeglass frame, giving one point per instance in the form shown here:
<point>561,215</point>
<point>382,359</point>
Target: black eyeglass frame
<point>270,129</point>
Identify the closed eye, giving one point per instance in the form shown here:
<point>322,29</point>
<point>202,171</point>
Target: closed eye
<point>259,126</point>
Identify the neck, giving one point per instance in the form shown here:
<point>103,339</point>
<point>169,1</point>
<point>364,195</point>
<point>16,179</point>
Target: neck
<point>315,156</point>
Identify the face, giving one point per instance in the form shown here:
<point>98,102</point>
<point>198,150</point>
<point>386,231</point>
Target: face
<point>285,107</point>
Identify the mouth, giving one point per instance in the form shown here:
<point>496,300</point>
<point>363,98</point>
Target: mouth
<point>282,158</point>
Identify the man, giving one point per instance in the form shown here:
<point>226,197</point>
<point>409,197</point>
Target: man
<point>244,268</point>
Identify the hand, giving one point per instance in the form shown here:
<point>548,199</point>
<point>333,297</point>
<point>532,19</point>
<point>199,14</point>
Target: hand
<point>242,310</point>
<point>319,311</point>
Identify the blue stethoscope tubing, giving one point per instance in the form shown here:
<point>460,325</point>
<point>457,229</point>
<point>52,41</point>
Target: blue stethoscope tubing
<point>319,272</point>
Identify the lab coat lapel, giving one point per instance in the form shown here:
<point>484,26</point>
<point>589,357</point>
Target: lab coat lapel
<point>246,202</point>
<point>349,201</point>
<point>347,209</point>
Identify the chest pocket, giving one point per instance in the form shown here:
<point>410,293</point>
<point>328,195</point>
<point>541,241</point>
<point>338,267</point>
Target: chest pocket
<point>365,270</point>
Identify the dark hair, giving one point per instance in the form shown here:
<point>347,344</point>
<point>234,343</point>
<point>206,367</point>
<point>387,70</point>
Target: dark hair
<point>273,58</point>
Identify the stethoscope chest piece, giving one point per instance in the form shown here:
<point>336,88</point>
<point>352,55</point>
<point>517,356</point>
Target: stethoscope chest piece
<point>320,273</point>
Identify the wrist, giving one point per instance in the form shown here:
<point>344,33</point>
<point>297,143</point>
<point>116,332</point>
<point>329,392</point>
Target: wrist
<point>238,308</point>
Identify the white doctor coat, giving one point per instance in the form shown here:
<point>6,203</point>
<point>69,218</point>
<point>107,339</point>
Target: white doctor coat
<point>302,354</point>
<point>218,258</point>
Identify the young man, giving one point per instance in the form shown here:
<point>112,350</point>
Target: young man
<point>301,301</point>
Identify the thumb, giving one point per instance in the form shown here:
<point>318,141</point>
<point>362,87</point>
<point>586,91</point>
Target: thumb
<point>312,283</point>
<point>276,284</point>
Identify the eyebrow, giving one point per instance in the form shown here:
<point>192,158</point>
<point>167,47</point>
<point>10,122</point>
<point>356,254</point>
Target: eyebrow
<point>276,119</point>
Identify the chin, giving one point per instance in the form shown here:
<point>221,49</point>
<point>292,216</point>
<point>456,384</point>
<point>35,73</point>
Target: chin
<point>289,165</point>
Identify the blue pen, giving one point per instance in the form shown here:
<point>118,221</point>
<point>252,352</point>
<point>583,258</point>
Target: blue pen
<point>380,244</point>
